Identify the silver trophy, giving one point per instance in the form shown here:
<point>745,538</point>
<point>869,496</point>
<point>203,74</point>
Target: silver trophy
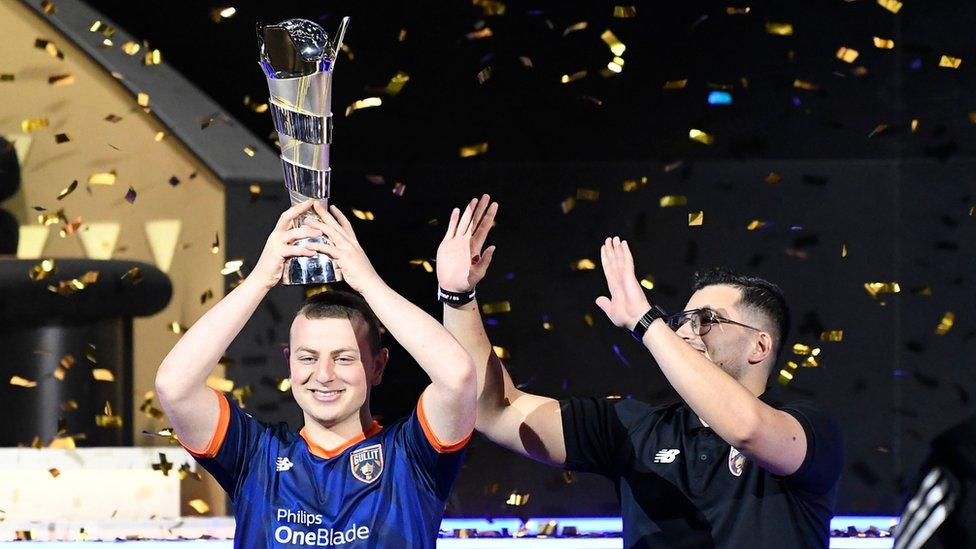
<point>298,60</point>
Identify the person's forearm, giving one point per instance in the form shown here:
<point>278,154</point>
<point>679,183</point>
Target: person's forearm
<point>196,354</point>
<point>429,343</point>
<point>465,324</point>
<point>725,404</point>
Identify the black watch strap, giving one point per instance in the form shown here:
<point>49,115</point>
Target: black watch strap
<point>645,321</point>
<point>454,299</point>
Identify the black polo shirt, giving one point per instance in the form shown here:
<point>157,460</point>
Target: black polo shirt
<point>680,485</point>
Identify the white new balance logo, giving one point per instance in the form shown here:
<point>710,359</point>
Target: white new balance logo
<point>283,464</point>
<point>666,456</point>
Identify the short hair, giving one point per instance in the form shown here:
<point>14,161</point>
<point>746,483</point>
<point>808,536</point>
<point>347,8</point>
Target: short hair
<point>342,304</point>
<point>757,293</point>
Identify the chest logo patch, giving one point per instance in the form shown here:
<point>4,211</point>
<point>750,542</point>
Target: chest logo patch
<point>283,464</point>
<point>737,462</point>
<point>367,463</point>
<point>666,456</point>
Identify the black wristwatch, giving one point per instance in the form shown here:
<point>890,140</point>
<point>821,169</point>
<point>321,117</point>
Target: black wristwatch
<point>454,299</point>
<point>645,321</point>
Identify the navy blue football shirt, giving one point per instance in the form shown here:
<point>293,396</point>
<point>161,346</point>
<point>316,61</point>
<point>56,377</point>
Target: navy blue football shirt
<point>385,488</point>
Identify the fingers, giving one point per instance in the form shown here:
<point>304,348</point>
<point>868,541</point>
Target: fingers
<point>452,224</point>
<point>297,233</point>
<point>289,215</point>
<point>485,223</point>
<point>479,210</point>
<point>464,225</point>
<point>486,257</point>
<point>343,222</point>
<point>329,227</point>
<point>298,251</point>
<point>604,304</point>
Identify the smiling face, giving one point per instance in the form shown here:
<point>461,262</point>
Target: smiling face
<point>332,368</point>
<point>737,350</point>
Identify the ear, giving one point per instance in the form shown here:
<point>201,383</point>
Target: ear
<point>379,365</point>
<point>763,348</point>
<point>286,350</point>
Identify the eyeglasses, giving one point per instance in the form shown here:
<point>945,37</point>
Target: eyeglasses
<point>701,320</point>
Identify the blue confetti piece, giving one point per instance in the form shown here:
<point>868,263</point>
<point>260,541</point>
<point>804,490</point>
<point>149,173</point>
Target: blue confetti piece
<point>491,321</point>
<point>620,355</point>
<point>510,276</point>
<point>719,98</point>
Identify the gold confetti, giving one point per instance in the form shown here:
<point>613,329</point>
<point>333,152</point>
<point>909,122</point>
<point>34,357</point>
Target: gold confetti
<point>284,385</point>
<point>891,5</point>
<point>61,79</point>
<point>6,77</point>
<point>779,29</point>
<point>102,374</point>
<point>756,224</point>
<point>241,393</point>
<point>700,136</point>
<point>206,296</point>
<point>255,191</point>
<point>159,136</point>
<point>616,65</point>
<point>773,178</point>
<point>847,55</point>
<point>695,219</point>
<point>737,11</point>
<point>582,265</point>
<point>567,78</point>
<point>31,124</point>
<point>479,34</point>
<point>671,200</point>
<point>113,118</point>
<point>489,7</point>
<point>54,472</point>
<point>567,205</point>
<point>68,190</point>
<point>220,384</point>
<point>215,246</point>
<point>142,99</point>
<point>493,308</point>
<point>364,215</point>
<point>152,57</point>
<point>131,48</point>
<point>801,349</point>
<point>676,84</point>
<point>588,319</point>
<point>948,319</point>
<point>517,499</point>
<point>616,46</point>
<point>108,421</point>
<point>43,269</point>
<point>231,267</point>
<point>484,75</point>
<point>575,27</point>
<point>526,62</point>
<point>883,43</point>
<point>804,85</point>
<point>875,288</point>
<point>832,336</point>
<point>402,36</point>
<point>22,382</point>
<point>135,274</point>
<point>647,282</point>
<point>61,138</point>
<point>364,104</point>
<point>49,8</point>
<point>880,128</point>
<point>473,150</point>
<point>950,62</point>
<point>400,79</point>
<point>164,466</point>
<point>591,195</point>
<point>501,352</point>
<point>624,12</point>
<point>843,250</point>
<point>249,151</point>
<point>49,47</point>
<point>631,185</point>
<point>199,505</point>
<point>176,327</point>
<point>422,263</point>
<point>255,106</point>
<point>219,14</point>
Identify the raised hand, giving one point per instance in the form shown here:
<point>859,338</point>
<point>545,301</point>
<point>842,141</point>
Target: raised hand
<point>461,263</point>
<point>343,248</point>
<point>627,302</point>
<point>279,247</point>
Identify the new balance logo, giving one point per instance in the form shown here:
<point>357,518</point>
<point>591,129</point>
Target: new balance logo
<point>666,456</point>
<point>283,464</point>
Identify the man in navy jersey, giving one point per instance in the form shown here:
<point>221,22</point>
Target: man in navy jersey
<point>730,466</point>
<point>343,480</point>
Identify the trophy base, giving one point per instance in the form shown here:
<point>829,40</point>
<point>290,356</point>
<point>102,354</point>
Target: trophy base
<point>317,269</point>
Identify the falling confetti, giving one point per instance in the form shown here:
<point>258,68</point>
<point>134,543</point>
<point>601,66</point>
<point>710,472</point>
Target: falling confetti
<point>249,151</point>
<point>701,137</point>
<point>883,43</point>
<point>804,85</point>
<point>364,104</point>
<point>493,308</point>
<point>625,12</point>
<point>847,55</point>
<point>676,84</point>
<point>130,195</point>
<point>501,352</point>
<point>575,27</point>
<point>517,499</point>
<point>696,219</point>
<point>779,29</point>
<point>32,124</point>
<point>68,190</point>
<point>950,62</point>
<point>102,178</point>
<point>61,79</point>
<point>757,225</point>
<point>473,150</point>
<point>948,319</point>
<point>401,78</point>
<point>891,5</point>
<point>219,14</point>
<point>134,274</point>
<point>875,288</point>
<point>142,99</point>
<point>616,46</point>
<point>102,374</point>
<point>582,265</point>
<point>832,336</point>
<point>631,185</point>
<point>567,78</point>
<point>672,200</point>
<point>22,382</point>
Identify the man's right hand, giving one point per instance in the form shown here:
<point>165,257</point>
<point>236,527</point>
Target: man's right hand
<point>279,247</point>
<point>461,263</point>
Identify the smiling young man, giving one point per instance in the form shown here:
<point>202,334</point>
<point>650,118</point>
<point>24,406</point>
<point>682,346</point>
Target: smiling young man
<point>730,466</point>
<point>343,480</point>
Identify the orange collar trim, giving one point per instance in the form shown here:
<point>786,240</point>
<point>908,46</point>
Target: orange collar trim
<point>329,453</point>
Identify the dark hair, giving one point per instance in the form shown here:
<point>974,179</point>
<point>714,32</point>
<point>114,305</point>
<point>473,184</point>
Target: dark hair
<point>757,293</point>
<point>341,304</point>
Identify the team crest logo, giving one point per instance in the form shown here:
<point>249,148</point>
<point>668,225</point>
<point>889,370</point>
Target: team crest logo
<point>367,463</point>
<point>737,462</point>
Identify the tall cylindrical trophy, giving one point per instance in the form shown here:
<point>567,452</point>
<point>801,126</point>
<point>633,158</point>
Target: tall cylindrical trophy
<point>298,60</point>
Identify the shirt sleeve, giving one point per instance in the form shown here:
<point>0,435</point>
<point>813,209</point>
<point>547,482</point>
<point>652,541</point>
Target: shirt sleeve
<point>435,463</point>
<point>824,459</point>
<point>234,441</point>
<point>594,434</point>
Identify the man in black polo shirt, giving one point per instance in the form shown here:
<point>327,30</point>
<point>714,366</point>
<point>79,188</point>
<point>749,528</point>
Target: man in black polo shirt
<point>729,467</point>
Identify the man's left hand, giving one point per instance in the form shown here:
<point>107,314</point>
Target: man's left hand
<point>343,248</point>
<point>627,302</point>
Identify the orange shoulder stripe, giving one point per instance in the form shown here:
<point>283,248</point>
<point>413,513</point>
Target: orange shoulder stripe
<point>441,447</point>
<point>223,421</point>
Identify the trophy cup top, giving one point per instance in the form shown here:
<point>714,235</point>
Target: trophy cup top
<point>296,48</point>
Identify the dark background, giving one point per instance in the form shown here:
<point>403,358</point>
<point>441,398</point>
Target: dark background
<point>899,200</point>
